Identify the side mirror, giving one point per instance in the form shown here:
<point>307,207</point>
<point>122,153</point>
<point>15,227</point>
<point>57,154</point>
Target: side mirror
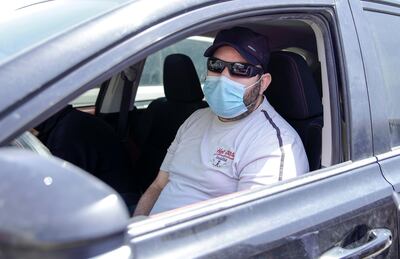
<point>52,209</point>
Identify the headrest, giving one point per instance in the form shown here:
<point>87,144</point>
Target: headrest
<point>293,92</point>
<point>181,83</point>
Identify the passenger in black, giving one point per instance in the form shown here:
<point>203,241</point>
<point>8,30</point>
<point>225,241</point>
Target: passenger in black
<point>89,143</point>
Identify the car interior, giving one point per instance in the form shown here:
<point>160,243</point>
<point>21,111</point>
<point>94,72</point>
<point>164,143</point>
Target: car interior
<point>299,92</point>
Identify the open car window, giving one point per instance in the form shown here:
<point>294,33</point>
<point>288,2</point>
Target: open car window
<point>150,87</point>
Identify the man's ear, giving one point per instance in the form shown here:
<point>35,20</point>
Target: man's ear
<point>265,82</point>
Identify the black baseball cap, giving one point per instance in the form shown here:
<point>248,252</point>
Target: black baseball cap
<point>253,46</point>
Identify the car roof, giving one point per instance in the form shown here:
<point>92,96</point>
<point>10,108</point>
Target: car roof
<point>25,24</point>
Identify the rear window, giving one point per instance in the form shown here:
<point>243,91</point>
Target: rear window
<point>151,81</point>
<point>387,40</point>
<point>193,47</point>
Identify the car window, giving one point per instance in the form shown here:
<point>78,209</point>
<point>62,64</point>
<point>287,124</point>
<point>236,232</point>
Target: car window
<point>151,81</point>
<point>386,40</point>
<point>86,99</point>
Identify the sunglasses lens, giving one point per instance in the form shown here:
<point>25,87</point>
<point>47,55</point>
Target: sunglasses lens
<point>215,65</point>
<point>240,69</point>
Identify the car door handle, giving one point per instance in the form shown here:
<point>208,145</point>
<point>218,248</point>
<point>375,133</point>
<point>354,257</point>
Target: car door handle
<point>379,240</point>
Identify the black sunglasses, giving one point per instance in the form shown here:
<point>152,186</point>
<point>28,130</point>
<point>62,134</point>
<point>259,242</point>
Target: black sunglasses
<point>235,68</point>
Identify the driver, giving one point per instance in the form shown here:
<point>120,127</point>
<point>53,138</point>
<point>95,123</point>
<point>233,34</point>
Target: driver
<point>240,142</point>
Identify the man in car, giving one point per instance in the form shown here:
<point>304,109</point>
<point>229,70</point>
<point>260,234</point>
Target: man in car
<point>240,142</point>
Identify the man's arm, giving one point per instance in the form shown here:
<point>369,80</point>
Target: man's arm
<point>150,196</point>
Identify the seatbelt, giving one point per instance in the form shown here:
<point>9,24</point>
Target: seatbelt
<point>123,119</point>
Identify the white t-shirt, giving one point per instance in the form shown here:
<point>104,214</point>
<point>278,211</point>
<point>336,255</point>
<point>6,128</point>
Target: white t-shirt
<point>209,158</point>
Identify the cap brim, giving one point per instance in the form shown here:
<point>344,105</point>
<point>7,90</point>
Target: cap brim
<point>249,58</point>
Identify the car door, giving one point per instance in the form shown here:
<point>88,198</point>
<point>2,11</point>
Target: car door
<point>342,211</point>
<point>381,55</point>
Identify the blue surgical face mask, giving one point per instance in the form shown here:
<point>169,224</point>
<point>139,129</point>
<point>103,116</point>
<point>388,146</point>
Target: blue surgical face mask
<point>225,96</point>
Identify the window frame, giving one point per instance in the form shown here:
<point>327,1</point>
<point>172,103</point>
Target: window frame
<point>333,80</point>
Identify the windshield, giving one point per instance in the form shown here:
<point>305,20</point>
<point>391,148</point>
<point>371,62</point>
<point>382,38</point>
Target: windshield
<point>24,23</point>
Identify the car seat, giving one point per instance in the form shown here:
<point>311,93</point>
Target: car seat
<point>91,144</point>
<point>163,117</point>
<point>294,95</point>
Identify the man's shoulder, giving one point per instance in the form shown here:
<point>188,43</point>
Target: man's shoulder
<point>198,117</point>
<point>271,123</point>
<point>200,114</point>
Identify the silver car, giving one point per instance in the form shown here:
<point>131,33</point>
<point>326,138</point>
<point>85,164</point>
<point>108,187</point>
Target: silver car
<point>53,52</point>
